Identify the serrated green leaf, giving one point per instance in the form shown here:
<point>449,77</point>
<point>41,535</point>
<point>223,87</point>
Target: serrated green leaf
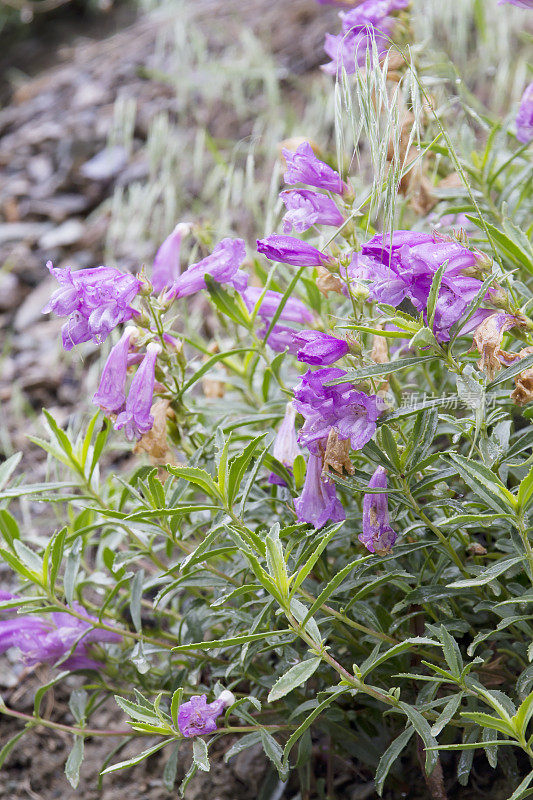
<point>296,676</point>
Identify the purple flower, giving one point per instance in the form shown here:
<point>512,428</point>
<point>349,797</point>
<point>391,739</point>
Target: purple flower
<point>319,349</point>
<point>136,418</point>
<point>293,310</point>
<point>385,286</point>
<point>403,266</point>
<point>285,444</point>
<point>94,300</point>
<point>349,50</point>
<point>361,27</point>
<point>293,251</point>
<point>49,640</point>
<point>524,119</point>
<point>520,3</point>
<point>377,536</point>
<point>197,716</point>
<point>111,393</point>
<point>222,265</point>
<point>306,208</point>
<point>351,413</point>
<point>345,4</point>
<point>304,167</point>
<point>166,268</point>
<point>280,338</point>
<point>318,502</point>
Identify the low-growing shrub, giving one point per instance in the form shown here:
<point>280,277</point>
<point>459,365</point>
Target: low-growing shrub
<point>327,539</point>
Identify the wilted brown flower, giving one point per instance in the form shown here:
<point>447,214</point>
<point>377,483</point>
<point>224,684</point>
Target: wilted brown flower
<point>155,441</point>
<point>380,350</point>
<point>337,454</point>
<point>523,392</point>
<point>327,282</point>
<point>488,339</point>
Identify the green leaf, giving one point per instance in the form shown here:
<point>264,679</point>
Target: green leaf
<point>523,716</point>
<point>525,491</point>
<point>74,761</point>
<point>200,755</point>
<point>421,726</point>
<point>53,557</point>
<point>484,483</point>
<point>297,675</point>
<point>489,574</point>
<point>447,713</point>
<point>390,755</point>
<point>334,584</point>
<point>510,372</point>
<point>8,747</point>
<point>452,653</point>
<point>233,641</point>
<point>226,303</point>
<point>175,705</point>
<point>506,245</point>
<point>171,768</point>
<point>135,599</point>
<point>8,527</point>
<point>434,294</point>
<point>8,467</point>
<point>242,743</point>
<point>375,370</point>
<point>488,721</point>
<point>199,477</point>
<point>137,712</point>
<point>374,661</point>
<point>522,791</point>
<point>273,751</point>
<point>238,467</point>
<point>335,693</point>
<point>200,372</point>
<point>132,762</point>
<point>304,571</point>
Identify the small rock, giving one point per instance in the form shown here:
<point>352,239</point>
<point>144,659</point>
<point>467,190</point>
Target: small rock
<point>88,95</point>
<point>59,207</point>
<point>65,234</point>
<point>40,168</point>
<point>105,165</point>
<point>17,231</point>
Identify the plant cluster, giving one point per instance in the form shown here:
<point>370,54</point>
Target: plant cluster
<point>328,538</point>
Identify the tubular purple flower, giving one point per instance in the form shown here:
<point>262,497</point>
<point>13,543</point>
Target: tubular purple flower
<point>293,310</point>
<point>304,167</point>
<point>319,349</point>
<point>197,717</point>
<point>306,208</point>
<point>166,267</point>
<point>94,300</point>
<point>351,413</point>
<point>368,23</point>
<point>403,266</point>
<point>285,444</point>
<point>222,265</point>
<point>49,640</point>
<point>136,418</point>
<point>527,4</point>
<point>289,250</point>
<point>524,119</point>
<point>111,393</point>
<point>318,502</point>
<point>280,338</point>
<point>377,536</point>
